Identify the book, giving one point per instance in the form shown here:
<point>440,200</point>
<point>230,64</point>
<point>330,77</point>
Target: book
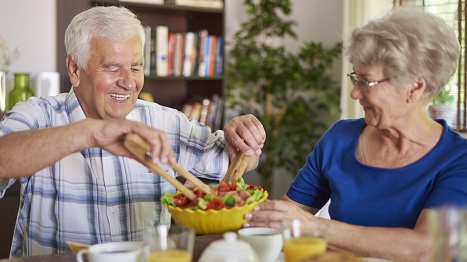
<point>218,123</point>
<point>147,96</point>
<point>194,54</point>
<point>219,63</point>
<point>153,53</point>
<point>178,54</point>
<point>171,55</point>
<point>202,35</point>
<point>162,41</point>
<point>212,55</point>
<point>189,42</point>
<point>196,111</point>
<point>204,111</point>
<point>186,109</point>
<point>211,119</point>
<point>147,51</point>
<point>207,53</point>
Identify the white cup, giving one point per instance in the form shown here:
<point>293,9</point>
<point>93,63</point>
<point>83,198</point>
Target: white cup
<point>267,242</point>
<point>112,252</point>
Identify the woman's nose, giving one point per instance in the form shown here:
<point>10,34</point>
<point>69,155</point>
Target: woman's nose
<point>356,92</point>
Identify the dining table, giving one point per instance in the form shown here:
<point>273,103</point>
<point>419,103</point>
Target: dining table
<point>201,242</point>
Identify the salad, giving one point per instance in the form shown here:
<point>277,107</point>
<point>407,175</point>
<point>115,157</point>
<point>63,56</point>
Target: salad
<point>226,195</point>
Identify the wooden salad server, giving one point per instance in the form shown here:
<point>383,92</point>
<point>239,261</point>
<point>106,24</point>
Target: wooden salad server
<point>140,148</point>
<point>237,168</point>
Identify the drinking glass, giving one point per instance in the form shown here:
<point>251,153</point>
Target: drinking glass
<point>3,94</point>
<point>169,243</point>
<point>302,240</point>
<point>449,229</point>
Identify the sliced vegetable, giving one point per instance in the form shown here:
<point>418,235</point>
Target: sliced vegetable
<point>216,204</point>
<point>226,195</point>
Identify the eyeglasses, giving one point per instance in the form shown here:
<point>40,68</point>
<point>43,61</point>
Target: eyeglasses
<point>362,83</point>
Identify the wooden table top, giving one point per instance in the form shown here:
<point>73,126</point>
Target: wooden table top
<point>201,242</point>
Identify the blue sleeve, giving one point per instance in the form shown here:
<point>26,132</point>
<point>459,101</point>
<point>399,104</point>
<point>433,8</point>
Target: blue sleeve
<point>311,186</point>
<point>450,183</point>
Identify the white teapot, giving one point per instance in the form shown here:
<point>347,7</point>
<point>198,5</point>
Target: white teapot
<point>229,249</point>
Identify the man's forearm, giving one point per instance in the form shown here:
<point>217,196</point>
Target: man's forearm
<point>25,152</point>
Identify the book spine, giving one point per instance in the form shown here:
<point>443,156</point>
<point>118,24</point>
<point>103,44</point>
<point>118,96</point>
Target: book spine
<point>153,55</point>
<point>203,34</point>
<point>219,64</point>
<point>171,55</point>
<point>178,60</point>
<point>212,55</point>
<point>162,50</point>
<point>189,38</point>
<point>207,50</point>
<point>194,54</point>
<point>147,51</point>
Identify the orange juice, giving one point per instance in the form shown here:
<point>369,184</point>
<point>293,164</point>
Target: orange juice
<point>171,255</point>
<point>296,249</point>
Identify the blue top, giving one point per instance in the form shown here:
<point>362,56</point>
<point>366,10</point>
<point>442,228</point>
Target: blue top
<point>372,196</point>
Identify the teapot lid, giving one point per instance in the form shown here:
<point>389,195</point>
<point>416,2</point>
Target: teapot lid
<point>230,243</point>
<point>229,249</point>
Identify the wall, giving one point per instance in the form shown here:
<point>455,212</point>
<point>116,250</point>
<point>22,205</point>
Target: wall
<point>30,25</point>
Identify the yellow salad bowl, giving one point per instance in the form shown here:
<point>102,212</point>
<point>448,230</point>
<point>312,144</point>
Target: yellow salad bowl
<point>213,221</point>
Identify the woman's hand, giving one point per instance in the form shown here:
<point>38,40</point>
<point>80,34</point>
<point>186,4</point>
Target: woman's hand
<point>272,213</point>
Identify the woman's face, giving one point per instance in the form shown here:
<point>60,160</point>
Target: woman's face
<point>384,104</point>
<point>114,77</point>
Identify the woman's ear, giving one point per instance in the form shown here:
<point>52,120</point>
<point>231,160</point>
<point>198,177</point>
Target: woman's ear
<point>73,71</point>
<point>416,90</point>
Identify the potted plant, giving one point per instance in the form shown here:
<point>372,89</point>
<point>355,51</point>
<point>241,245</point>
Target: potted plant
<point>292,94</point>
<point>443,106</point>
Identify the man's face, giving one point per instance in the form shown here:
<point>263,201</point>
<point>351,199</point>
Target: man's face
<point>114,77</point>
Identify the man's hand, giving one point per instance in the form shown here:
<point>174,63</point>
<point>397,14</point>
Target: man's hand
<point>246,134</point>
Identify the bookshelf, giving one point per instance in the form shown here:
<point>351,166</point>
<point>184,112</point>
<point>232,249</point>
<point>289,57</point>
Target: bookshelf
<point>177,90</point>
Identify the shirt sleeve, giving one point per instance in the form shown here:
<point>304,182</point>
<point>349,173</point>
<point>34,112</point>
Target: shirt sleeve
<point>310,187</point>
<point>4,185</point>
<point>449,186</point>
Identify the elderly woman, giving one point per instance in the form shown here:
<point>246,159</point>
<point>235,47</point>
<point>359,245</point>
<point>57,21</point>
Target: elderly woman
<point>386,173</point>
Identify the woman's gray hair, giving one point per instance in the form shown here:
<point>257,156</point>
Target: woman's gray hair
<point>408,43</point>
<point>113,22</point>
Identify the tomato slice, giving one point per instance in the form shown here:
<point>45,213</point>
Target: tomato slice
<point>181,200</point>
<point>227,186</point>
<point>215,204</point>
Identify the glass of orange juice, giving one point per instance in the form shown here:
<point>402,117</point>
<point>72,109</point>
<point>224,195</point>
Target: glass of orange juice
<point>302,240</point>
<point>169,243</point>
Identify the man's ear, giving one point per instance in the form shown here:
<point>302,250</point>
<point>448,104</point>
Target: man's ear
<point>416,90</point>
<point>73,71</point>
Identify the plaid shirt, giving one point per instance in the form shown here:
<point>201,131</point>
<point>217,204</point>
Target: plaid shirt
<point>93,196</point>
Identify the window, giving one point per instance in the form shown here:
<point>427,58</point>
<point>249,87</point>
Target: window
<point>454,13</point>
